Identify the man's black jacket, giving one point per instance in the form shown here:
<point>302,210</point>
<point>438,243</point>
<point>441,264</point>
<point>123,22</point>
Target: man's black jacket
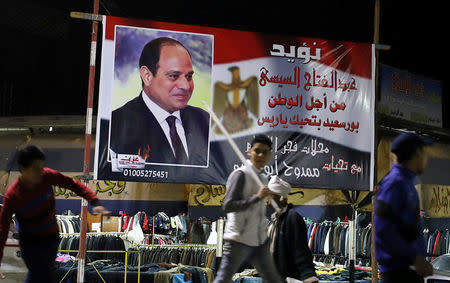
<point>292,255</point>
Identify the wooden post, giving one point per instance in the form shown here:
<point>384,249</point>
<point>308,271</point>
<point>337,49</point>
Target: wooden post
<point>376,40</point>
<point>87,145</point>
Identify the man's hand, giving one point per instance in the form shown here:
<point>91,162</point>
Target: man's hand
<point>2,276</point>
<point>423,267</point>
<point>264,192</point>
<point>100,210</point>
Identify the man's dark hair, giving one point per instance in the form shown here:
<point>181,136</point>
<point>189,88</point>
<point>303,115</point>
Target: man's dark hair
<point>151,52</point>
<point>27,155</point>
<point>406,152</point>
<point>262,139</point>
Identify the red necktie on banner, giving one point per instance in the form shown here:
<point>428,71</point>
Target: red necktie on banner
<point>180,154</point>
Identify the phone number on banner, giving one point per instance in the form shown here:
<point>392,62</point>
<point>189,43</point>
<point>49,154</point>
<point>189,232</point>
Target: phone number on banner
<point>145,173</point>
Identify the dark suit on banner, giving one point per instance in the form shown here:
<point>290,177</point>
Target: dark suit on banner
<point>134,128</point>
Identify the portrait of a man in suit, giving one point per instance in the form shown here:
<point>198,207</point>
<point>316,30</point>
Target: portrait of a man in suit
<point>158,124</point>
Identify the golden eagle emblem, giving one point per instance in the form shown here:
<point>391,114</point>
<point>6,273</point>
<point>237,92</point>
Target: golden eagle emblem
<point>233,102</point>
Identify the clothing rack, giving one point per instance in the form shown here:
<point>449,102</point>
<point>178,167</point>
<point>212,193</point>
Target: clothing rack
<point>67,216</point>
<point>136,255</point>
<point>68,223</point>
<point>199,255</point>
<point>178,246</point>
<point>138,260</point>
<point>93,234</point>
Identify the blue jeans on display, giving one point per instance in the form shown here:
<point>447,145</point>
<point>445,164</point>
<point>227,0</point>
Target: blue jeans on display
<point>234,254</point>
<point>39,258</point>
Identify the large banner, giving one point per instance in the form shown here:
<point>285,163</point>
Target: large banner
<point>411,97</point>
<point>314,98</point>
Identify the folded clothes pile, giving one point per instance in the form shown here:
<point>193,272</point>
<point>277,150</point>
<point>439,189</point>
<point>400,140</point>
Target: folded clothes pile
<point>112,271</point>
<point>340,274</point>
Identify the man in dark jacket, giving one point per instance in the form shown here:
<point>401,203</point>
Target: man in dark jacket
<point>289,245</point>
<point>399,241</point>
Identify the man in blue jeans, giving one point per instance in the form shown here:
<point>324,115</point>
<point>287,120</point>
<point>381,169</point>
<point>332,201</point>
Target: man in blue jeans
<point>399,242</point>
<point>246,228</point>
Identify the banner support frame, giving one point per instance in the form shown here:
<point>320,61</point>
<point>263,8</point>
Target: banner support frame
<point>95,18</point>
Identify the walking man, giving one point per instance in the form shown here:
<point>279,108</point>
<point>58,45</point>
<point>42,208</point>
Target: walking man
<point>246,228</point>
<point>288,243</point>
<point>32,200</point>
<point>399,242</point>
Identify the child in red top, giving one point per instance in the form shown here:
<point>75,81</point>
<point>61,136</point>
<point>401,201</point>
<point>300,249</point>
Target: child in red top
<point>32,201</point>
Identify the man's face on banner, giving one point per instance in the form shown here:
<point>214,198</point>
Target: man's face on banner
<point>172,86</point>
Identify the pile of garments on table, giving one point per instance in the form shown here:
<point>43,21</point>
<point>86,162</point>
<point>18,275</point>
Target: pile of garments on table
<point>342,274</point>
<point>112,271</point>
<point>324,274</point>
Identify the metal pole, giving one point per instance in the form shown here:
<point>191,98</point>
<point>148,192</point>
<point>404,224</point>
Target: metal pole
<point>87,145</point>
<point>219,247</point>
<point>237,151</point>
<point>352,246</point>
<point>352,232</point>
<point>376,40</point>
<point>153,232</point>
<point>351,264</point>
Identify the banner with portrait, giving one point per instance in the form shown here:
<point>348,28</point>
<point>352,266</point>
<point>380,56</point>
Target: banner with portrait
<point>313,97</point>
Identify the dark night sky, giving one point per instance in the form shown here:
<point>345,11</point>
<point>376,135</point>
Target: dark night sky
<point>44,53</point>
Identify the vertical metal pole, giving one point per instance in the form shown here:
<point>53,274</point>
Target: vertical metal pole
<point>139,267</point>
<point>126,267</point>
<point>87,146</point>
<point>352,246</point>
<point>352,232</point>
<point>153,231</point>
<point>351,265</point>
<point>376,40</point>
<point>220,225</point>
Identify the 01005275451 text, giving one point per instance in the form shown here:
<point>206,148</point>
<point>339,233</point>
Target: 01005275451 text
<point>145,173</point>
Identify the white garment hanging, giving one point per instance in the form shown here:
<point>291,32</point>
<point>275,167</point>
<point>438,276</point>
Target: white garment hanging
<point>312,235</point>
<point>212,239</point>
<point>326,248</point>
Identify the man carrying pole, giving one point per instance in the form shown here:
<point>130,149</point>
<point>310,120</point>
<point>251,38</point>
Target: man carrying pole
<point>246,228</point>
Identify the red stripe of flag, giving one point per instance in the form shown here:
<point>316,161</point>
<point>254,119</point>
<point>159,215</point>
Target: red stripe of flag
<point>235,45</point>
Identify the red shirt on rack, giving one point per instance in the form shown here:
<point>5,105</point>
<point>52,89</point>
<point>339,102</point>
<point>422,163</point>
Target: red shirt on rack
<point>35,209</point>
